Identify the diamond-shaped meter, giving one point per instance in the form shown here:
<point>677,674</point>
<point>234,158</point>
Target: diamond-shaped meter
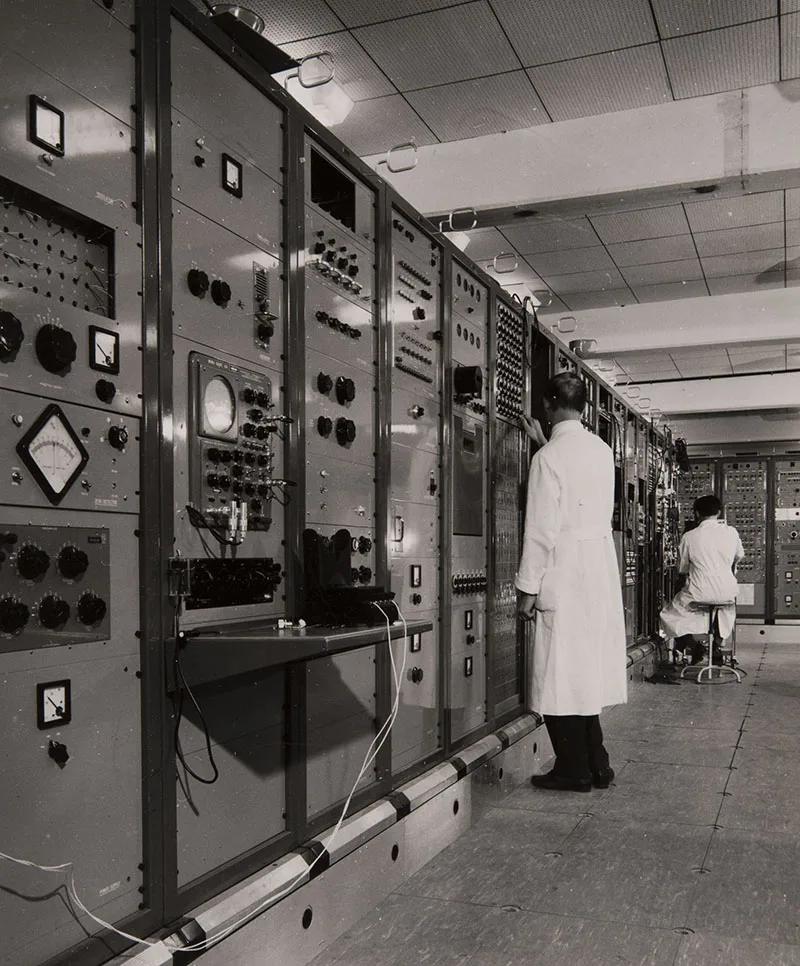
<point>53,453</point>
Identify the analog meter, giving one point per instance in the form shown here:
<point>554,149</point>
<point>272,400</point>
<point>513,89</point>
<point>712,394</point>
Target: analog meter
<point>53,453</point>
<point>219,405</point>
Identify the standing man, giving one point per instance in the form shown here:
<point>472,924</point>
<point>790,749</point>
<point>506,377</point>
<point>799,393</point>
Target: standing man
<point>569,584</point>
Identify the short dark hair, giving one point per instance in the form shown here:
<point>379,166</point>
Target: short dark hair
<point>566,391</point>
<point>707,506</point>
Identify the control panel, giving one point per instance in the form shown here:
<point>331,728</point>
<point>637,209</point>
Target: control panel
<point>233,427</point>
<point>511,362</point>
<point>54,586</point>
<point>589,417</point>
<point>744,501</point>
<point>699,480</point>
<point>787,539</point>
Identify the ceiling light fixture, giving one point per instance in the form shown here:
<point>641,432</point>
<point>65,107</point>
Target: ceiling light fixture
<point>314,86</point>
<point>459,236</point>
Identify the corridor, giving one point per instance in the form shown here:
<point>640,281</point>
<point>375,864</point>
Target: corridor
<point>692,856</point>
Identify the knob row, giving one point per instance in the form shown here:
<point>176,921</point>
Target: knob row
<point>345,429</point>
<point>53,612</point>
<point>199,285</point>
<point>33,562</point>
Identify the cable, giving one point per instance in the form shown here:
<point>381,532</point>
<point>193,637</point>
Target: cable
<point>372,752</point>
<point>213,940</point>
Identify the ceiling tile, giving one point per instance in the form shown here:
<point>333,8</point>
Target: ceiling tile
<point>788,5</point>
<point>745,283</point>
<point>793,258</point>
<point>616,81</point>
<point>668,249</point>
<point>552,30</point>
<point>473,108</point>
<point>636,362</point>
<point>357,13</point>
<point>686,270</point>
<point>656,376</point>
<point>571,260</point>
<point>486,243</point>
<point>758,209</point>
<point>442,47</point>
<point>668,291</point>
<point>374,126</point>
<point>549,236</point>
<point>790,46</point>
<point>734,240</point>
<point>677,17</point>
<point>723,60</point>
<point>293,21</point>
<point>354,69</point>
<point>693,371</point>
<point>792,200</point>
<point>565,285</point>
<point>793,232</point>
<point>599,300</point>
<point>640,224</point>
<point>765,363</point>
<point>745,263</point>
<point>697,354</point>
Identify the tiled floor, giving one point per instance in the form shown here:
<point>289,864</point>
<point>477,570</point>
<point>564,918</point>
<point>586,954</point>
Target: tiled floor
<point>691,858</point>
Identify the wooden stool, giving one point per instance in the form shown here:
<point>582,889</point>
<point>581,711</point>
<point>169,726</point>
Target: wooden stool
<point>713,614</point>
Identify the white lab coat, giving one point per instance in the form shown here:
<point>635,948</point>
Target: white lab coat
<point>568,559</point>
<point>707,555</point>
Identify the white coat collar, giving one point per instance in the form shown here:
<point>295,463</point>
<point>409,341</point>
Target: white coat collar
<point>567,426</point>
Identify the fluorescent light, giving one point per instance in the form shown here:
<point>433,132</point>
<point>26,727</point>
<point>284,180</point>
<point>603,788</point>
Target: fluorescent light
<point>315,87</point>
<point>459,238</point>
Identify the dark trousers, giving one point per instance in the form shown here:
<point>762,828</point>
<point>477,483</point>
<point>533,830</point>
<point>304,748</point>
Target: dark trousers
<point>577,741</point>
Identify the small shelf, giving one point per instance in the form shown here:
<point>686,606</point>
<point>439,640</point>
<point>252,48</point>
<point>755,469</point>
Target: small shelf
<point>213,654</point>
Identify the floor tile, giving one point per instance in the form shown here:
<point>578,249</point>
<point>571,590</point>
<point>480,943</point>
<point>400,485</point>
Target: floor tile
<point>751,891</point>
<point>708,949</point>
<point>682,794</point>
<point>546,940</point>
<point>631,872</point>
<point>676,746</point>
<point>762,799</point>
<point>568,803</point>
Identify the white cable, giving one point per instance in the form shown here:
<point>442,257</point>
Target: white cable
<point>70,881</point>
<point>67,867</point>
<point>212,940</point>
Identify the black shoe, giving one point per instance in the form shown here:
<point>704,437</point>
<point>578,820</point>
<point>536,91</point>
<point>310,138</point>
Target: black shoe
<point>560,783</point>
<point>603,778</point>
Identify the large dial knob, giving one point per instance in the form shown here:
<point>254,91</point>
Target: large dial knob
<point>345,390</point>
<point>13,615</point>
<point>55,348</point>
<point>11,334</point>
<point>345,431</point>
<point>32,562</point>
<point>220,293</point>
<point>91,609</point>
<point>72,562</point>
<point>118,437</point>
<point>198,282</point>
<point>53,612</point>
<point>324,383</point>
<point>324,426</point>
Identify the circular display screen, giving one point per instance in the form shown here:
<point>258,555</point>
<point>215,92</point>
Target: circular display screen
<point>219,405</point>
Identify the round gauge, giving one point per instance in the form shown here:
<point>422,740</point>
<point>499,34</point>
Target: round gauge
<point>219,405</point>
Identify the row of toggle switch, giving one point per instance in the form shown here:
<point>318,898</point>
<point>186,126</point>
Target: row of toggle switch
<point>469,583</point>
<point>334,323</point>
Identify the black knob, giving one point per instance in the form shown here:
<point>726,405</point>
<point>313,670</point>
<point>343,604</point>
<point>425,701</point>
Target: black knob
<point>213,455</point>
<point>345,431</point>
<point>105,390</point>
<point>58,752</point>
<point>364,545</point>
<point>72,562</point>
<point>11,334</point>
<point>199,160</point>
<point>330,257</point>
<point>237,471</point>
<point>416,598</point>
<point>352,270</point>
<point>197,282</point>
<point>220,293</point>
<point>248,429</point>
<point>418,313</point>
<point>262,432</point>
<point>237,456</point>
<point>265,331</point>
<point>319,247</point>
<point>324,383</point>
<point>256,506</point>
<point>91,609</point>
<point>324,426</point>
<point>322,316</point>
<point>224,482</point>
<point>53,612</point>
<point>470,638</point>
<point>364,574</point>
<point>213,480</point>
<point>32,562</point>
<point>13,615</point>
<point>118,437</point>
<point>9,537</point>
<point>262,399</point>
<point>236,487</point>
<point>263,459</point>
<point>341,263</point>
<point>468,380</point>
<point>262,489</point>
<point>226,455</point>
<point>255,414</point>
<point>55,348</point>
<point>345,390</point>
<point>249,395</point>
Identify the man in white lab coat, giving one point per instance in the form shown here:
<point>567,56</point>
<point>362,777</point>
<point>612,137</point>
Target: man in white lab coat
<point>708,554</point>
<point>568,583</point>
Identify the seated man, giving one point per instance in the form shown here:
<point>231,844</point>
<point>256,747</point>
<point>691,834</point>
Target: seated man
<point>708,554</point>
